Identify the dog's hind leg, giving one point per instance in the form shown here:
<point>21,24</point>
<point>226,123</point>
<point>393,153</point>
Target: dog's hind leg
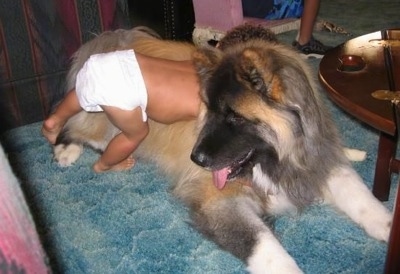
<point>66,155</point>
<point>348,193</point>
<point>235,224</point>
<point>92,129</point>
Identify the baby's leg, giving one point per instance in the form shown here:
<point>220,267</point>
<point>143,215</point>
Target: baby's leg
<point>126,164</point>
<point>117,155</point>
<point>51,128</point>
<point>53,125</point>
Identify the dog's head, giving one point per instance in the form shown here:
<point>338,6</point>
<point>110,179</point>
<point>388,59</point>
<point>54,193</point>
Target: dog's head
<point>259,100</point>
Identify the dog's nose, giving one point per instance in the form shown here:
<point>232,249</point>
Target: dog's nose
<point>199,158</point>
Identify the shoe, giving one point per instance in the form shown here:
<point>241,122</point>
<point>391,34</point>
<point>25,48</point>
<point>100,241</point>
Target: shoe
<point>313,48</point>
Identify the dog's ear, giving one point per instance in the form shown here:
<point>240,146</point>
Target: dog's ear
<point>260,69</point>
<point>254,70</point>
<point>205,61</point>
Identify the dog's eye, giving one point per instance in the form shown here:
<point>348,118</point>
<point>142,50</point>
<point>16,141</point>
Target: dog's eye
<point>233,118</point>
<point>257,82</point>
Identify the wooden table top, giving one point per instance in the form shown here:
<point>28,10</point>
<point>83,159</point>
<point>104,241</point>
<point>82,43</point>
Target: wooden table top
<point>354,70</point>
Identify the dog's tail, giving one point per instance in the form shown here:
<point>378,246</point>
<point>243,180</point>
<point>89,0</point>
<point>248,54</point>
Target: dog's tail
<point>148,32</point>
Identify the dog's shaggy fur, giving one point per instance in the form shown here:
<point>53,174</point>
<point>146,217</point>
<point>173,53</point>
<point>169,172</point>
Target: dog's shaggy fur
<point>264,139</point>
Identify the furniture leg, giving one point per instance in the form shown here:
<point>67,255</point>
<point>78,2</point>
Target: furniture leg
<point>386,154</point>
<point>392,265</point>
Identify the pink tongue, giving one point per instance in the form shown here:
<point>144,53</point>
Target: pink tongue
<point>219,177</point>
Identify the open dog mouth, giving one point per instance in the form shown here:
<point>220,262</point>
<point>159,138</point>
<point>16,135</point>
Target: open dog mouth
<point>221,176</point>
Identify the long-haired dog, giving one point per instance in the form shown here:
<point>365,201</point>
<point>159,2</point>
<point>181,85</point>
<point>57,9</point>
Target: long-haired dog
<point>263,144</point>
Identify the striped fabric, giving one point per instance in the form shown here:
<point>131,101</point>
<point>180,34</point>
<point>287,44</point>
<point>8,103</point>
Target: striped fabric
<point>37,38</point>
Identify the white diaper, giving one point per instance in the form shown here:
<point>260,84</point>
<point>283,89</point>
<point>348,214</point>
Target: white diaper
<point>112,79</point>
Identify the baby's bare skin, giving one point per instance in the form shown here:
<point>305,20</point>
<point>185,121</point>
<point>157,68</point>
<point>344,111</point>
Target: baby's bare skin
<point>173,90</point>
<point>126,164</point>
<point>51,128</point>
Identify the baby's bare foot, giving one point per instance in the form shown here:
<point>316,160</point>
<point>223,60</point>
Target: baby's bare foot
<point>51,128</point>
<point>126,164</point>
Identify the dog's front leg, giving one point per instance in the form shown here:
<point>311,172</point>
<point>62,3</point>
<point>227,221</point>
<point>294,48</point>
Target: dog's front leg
<point>269,256</point>
<point>347,192</point>
<point>234,223</point>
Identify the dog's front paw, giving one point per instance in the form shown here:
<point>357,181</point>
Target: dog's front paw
<point>274,266</point>
<point>379,227</point>
<point>66,155</point>
<point>355,155</point>
<point>270,257</point>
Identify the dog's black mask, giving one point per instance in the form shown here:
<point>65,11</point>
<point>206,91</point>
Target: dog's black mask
<point>229,147</point>
<point>224,147</point>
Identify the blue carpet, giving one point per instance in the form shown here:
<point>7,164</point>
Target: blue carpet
<point>129,222</point>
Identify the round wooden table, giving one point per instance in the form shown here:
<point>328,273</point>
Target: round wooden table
<point>363,77</point>
<point>356,75</point>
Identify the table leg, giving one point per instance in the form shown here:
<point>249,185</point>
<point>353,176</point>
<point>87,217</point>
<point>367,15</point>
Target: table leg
<point>383,170</point>
<point>392,265</point>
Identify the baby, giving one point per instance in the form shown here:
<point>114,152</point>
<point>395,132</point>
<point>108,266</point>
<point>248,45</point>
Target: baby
<point>128,87</point>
